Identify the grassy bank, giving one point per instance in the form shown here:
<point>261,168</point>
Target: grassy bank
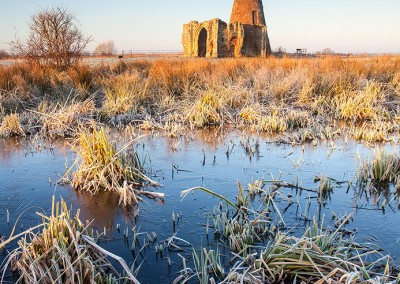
<point>311,98</point>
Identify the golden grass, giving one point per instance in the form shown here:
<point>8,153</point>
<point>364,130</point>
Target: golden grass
<point>207,110</point>
<point>363,105</point>
<point>62,251</point>
<point>63,121</point>
<point>264,95</point>
<point>99,166</point>
<point>11,126</point>
<point>124,94</point>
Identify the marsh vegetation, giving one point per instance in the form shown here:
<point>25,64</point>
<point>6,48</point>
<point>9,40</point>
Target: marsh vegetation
<point>312,99</point>
<point>297,133</point>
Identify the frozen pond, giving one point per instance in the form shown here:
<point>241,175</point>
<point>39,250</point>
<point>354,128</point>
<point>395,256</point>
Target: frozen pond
<point>29,171</point>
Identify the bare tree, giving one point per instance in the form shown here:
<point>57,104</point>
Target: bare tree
<point>327,51</point>
<point>106,48</point>
<point>54,39</point>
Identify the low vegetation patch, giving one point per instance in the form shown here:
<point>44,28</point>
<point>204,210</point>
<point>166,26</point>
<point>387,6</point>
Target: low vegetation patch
<point>207,110</point>
<point>100,166</point>
<point>264,250</point>
<point>319,256</point>
<point>383,168</point>
<point>61,249</point>
<point>64,121</point>
<point>124,94</point>
<point>11,126</point>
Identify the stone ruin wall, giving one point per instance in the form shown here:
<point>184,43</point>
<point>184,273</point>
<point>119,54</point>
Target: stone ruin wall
<point>246,35</point>
<point>234,40</point>
<point>216,38</point>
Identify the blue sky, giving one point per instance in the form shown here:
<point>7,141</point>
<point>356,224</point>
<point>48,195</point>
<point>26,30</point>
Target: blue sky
<point>343,25</point>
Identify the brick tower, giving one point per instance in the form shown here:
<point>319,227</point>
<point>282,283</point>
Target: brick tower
<point>248,12</point>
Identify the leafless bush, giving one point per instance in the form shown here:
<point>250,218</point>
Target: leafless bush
<point>54,39</point>
<point>325,51</point>
<point>106,48</point>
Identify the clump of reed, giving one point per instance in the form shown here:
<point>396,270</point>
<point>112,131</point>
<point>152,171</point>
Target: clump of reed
<point>208,265</point>
<point>319,256</point>
<point>11,126</point>
<point>208,110</point>
<point>365,104</point>
<point>124,94</point>
<point>263,120</point>
<point>325,187</point>
<point>83,79</point>
<point>274,119</point>
<point>61,249</point>
<point>100,166</point>
<point>384,168</point>
<point>377,130</point>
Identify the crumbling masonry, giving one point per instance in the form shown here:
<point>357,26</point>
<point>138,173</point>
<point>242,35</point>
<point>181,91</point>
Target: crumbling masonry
<point>246,34</point>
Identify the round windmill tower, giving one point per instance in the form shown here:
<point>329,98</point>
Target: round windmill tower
<point>248,12</point>
<point>249,36</point>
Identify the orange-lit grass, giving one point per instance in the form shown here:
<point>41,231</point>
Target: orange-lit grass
<point>266,95</point>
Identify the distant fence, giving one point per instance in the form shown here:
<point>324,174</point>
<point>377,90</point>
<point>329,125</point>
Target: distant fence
<point>7,53</point>
<point>138,53</point>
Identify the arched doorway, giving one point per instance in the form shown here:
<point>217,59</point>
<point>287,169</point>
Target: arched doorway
<point>202,43</point>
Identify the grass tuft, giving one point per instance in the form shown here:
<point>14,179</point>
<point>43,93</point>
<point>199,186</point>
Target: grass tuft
<point>11,126</point>
<point>207,110</point>
<point>384,168</point>
<point>99,166</point>
<point>63,251</point>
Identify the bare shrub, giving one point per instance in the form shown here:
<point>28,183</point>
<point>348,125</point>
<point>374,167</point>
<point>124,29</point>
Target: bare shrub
<point>106,48</point>
<point>54,39</point>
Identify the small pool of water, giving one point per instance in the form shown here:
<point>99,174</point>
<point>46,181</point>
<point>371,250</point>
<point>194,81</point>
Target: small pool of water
<point>28,175</point>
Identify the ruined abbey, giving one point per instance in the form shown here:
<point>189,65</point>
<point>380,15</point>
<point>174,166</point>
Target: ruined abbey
<point>245,35</point>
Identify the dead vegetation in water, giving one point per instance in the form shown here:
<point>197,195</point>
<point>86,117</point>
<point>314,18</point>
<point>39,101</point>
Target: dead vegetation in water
<point>11,126</point>
<point>100,166</point>
<point>61,249</point>
<point>263,250</point>
<point>272,95</point>
<point>382,168</point>
<point>319,256</point>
